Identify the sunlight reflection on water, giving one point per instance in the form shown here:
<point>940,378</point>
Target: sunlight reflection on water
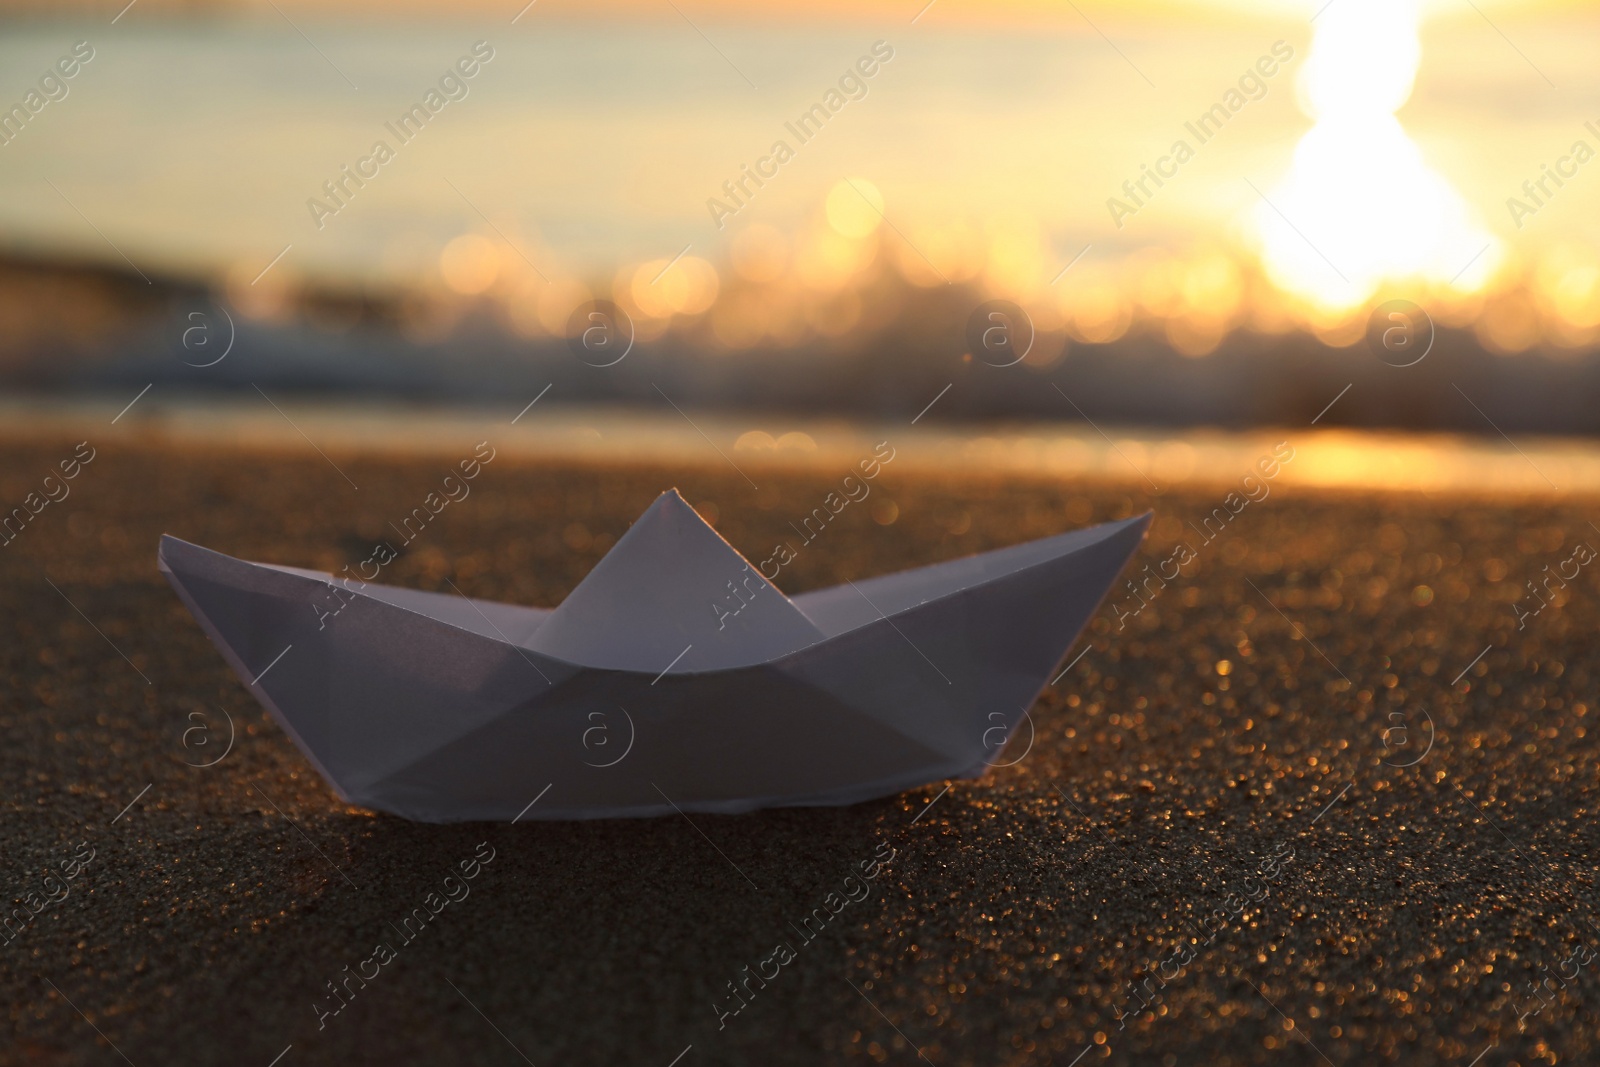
<point>1153,460</point>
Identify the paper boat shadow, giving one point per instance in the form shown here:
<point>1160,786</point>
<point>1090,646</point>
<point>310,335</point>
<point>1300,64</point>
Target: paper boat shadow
<point>646,692</point>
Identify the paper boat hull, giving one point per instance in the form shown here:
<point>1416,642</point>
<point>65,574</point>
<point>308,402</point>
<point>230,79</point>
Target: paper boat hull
<point>440,709</point>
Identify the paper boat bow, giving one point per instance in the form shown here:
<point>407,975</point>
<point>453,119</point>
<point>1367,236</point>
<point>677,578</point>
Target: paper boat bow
<point>645,692</point>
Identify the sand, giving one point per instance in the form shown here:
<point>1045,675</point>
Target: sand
<point>1211,811</point>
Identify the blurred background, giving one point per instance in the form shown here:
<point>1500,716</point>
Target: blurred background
<point>1190,211</point>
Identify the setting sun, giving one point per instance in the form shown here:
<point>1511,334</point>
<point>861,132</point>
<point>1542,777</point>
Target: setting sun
<point>1360,205</point>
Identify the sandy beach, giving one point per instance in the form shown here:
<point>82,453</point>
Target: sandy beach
<point>1324,797</point>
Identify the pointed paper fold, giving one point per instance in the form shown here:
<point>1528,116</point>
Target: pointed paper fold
<point>673,584</point>
<point>645,692</point>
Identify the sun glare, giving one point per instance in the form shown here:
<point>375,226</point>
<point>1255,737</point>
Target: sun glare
<point>1360,205</point>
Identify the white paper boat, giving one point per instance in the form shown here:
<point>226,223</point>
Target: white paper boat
<point>643,693</point>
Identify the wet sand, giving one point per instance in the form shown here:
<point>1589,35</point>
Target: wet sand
<point>1215,836</point>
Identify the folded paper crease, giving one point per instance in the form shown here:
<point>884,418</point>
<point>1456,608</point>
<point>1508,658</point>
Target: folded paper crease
<point>641,694</point>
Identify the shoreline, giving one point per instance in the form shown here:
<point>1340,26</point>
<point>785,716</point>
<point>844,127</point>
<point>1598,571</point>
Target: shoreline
<point>1102,454</point>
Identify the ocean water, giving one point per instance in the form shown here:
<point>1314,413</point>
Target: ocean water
<point>1153,459</point>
